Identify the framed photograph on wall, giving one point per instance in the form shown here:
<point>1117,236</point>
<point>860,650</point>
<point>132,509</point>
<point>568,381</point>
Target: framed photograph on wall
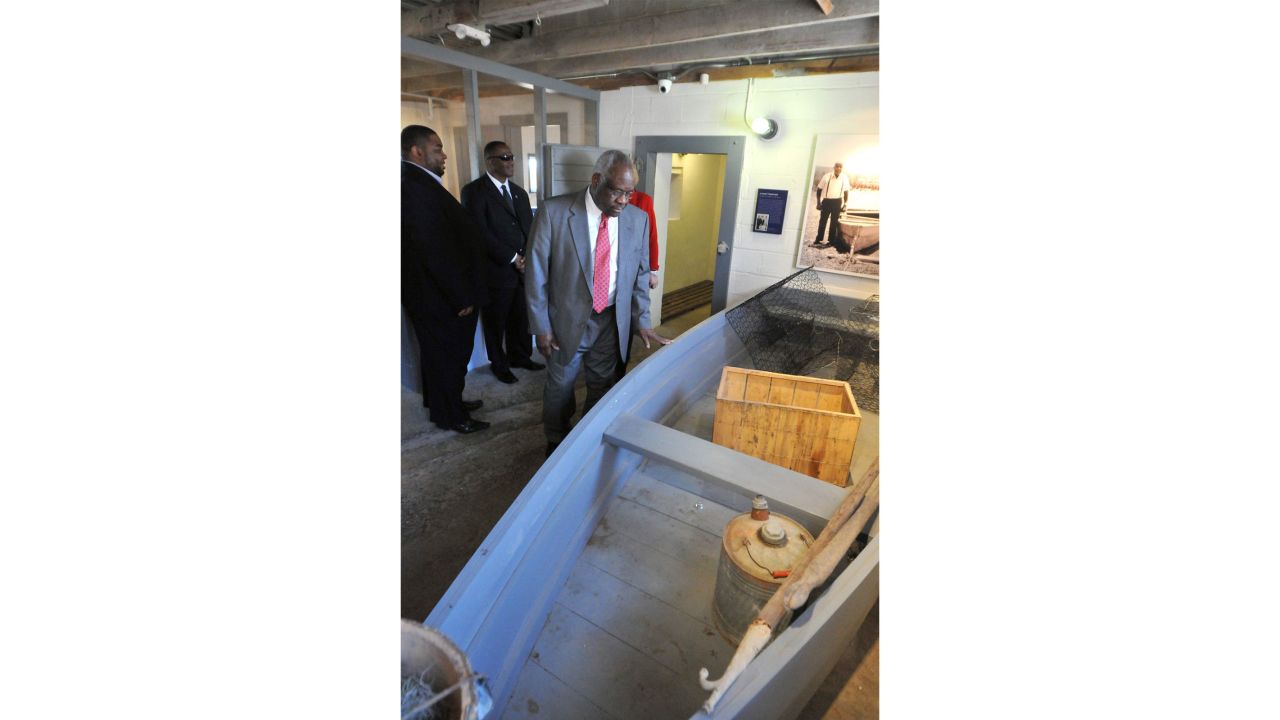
<point>840,230</point>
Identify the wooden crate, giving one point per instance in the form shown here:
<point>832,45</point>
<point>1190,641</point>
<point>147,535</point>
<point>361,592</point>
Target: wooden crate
<point>802,423</point>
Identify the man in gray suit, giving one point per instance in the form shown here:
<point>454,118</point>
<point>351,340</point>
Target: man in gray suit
<point>587,287</point>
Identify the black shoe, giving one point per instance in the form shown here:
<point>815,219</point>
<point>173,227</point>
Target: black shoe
<point>505,376</point>
<point>471,405</point>
<point>469,426</point>
<point>821,245</point>
<point>529,364</point>
<point>551,447</point>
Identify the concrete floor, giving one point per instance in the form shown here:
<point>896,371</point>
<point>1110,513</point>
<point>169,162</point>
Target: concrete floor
<point>454,488</point>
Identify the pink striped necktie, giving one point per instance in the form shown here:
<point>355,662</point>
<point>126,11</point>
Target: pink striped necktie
<point>600,292</point>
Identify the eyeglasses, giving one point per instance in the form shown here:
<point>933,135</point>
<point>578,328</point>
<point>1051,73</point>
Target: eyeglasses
<point>504,158</point>
<point>614,194</point>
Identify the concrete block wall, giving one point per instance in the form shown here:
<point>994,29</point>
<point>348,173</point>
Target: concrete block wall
<point>804,107</point>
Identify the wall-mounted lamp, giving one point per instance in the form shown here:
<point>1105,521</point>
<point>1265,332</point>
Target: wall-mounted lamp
<point>766,128</point>
<point>465,31</point>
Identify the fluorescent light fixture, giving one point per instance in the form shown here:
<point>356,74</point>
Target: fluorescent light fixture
<point>765,127</point>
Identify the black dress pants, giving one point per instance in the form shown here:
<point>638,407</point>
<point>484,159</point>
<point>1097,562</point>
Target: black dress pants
<point>506,327</point>
<point>830,209</point>
<point>444,347</point>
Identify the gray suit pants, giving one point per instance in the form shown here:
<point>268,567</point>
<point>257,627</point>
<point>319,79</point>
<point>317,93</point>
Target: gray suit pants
<point>598,355</point>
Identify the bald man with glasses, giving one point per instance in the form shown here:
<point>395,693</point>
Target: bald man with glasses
<point>587,288</point>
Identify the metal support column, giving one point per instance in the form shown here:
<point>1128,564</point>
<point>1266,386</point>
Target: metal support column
<point>471,95</point>
<point>540,139</point>
<point>593,111</point>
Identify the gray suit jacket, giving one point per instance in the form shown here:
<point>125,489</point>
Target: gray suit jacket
<point>558,272</point>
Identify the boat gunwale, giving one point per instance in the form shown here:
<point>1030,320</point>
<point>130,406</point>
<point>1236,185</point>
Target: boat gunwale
<point>653,390</point>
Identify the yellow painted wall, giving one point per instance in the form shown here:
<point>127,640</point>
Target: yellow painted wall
<point>691,239</point>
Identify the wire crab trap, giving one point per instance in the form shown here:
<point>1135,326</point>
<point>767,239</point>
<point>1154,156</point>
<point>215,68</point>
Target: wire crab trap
<point>794,327</point>
<point>864,318</point>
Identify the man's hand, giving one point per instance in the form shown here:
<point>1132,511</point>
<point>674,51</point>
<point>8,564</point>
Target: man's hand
<point>520,263</point>
<point>466,311</point>
<point>547,343</point>
<point>647,335</point>
<point>653,280</point>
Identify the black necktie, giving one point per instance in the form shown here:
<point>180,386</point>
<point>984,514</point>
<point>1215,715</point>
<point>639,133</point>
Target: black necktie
<point>507,197</point>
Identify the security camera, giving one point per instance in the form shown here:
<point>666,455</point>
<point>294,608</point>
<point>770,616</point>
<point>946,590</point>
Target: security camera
<point>664,85</point>
<point>465,31</point>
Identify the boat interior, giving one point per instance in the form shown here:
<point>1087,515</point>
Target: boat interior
<point>592,597</point>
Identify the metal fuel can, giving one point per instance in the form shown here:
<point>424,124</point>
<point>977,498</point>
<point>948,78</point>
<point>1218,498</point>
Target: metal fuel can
<point>757,551</point>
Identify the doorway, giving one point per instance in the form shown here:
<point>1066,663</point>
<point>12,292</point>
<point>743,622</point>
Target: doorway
<point>694,181</point>
<point>694,193</point>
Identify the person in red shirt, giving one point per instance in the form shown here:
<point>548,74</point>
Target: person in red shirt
<point>645,203</point>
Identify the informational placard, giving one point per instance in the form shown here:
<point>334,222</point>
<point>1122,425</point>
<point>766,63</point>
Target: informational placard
<point>771,205</point>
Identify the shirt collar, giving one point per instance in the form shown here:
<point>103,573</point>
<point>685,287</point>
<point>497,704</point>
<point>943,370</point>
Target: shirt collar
<point>593,212</point>
<point>592,206</point>
<point>437,177</point>
<point>496,182</point>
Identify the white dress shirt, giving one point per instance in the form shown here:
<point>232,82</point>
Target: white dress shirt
<point>834,187</point>
<point>593,227</point>
<point>500,184</point>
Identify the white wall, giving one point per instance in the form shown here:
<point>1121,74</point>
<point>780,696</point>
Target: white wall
<point>493,108</point>
<point>804,107</point>
<point>575,108</point>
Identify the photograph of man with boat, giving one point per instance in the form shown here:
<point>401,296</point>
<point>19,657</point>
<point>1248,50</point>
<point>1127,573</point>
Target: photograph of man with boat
<point>840,231</point>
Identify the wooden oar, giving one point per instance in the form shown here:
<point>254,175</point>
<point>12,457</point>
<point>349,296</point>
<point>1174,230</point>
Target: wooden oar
<point>810,572</point>
<point>824,562</point>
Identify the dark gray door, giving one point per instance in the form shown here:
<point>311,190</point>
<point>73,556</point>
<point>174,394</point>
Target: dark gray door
<point>731,146</point>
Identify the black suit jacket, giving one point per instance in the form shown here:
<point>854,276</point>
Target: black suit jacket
<point>505,232</point>
<point>441,266</point>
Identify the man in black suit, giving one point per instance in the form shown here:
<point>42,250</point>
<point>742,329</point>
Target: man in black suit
<point>501,209</point>
<point>441,278</point>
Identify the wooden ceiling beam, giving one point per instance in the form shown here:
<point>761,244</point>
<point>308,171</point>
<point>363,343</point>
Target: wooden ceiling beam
<point>860,35</point>
<point>430,21</point>
<point>692,25</point>
<point>848,36</point>
<point>863,63</point>
<point>505,12</point>
<point>493,88</point>
<point>435,18</point>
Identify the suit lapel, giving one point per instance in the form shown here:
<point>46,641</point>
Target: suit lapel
<point>626,229</point>
<point>581,240</point>
<point>497,196</point>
